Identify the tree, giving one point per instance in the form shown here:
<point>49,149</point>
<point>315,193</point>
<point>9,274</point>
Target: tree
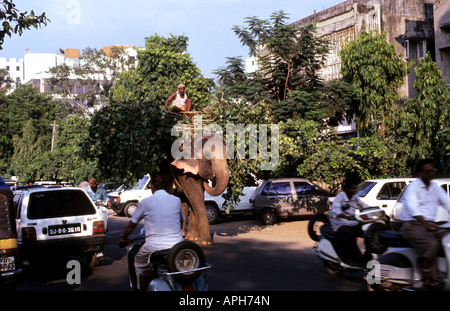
<point>25,110</point>
<point>163,64</point>
<point>132,135</point>
<point>424,117</point>
<point>290,58</point>
<point>373,67</point>
<point>15,22</point>
<point>95,78</point>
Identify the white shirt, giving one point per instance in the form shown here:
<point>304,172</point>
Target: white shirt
<point>340,201</point>
<point>179,101</point>
<point>418,200</point>
<point>162,214</point>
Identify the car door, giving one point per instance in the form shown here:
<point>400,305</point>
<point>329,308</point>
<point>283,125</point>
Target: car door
<point>310,199</point>
<point>279,196</point>
<point>389,193</point>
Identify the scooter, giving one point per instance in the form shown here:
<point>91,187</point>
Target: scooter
<point>180,268</point>
<point>327,246</point>
<point>398,266</point>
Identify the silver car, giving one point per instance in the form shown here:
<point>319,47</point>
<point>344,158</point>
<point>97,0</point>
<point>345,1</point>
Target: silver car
<point>287,197</point>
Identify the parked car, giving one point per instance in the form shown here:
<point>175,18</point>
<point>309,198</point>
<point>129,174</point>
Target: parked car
<point>215,207</point>
<point>110,187</point>
<point>382,192</point>
<point>60,220</point>
<point>442,215</point>
<point>125,202</point>
<point>281,198</point>
<point>11,274</point>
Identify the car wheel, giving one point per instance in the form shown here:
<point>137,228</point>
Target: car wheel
<point>186,255</point>
<point>129,209</point>
<point>212,212</point>
<point>269,216</point>
<point>315,222</point>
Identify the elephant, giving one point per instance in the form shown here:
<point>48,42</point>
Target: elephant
<point>192,174</point>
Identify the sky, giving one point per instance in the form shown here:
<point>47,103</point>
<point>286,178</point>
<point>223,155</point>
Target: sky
<point>99,23</point>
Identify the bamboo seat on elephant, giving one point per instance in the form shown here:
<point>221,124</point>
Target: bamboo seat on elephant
<point>193,123</point>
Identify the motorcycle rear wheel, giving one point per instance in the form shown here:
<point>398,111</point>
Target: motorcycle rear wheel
<point>186,255</point>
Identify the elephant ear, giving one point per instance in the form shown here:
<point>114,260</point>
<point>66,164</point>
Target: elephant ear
<point>187,165</point>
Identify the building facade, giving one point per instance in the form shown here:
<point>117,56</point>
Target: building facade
<point>409,26</point>
<point>442,37</point>
<point>33,68</point>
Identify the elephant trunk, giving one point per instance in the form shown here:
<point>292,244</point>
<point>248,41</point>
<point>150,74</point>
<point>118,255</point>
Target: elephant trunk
<point>221,176</point>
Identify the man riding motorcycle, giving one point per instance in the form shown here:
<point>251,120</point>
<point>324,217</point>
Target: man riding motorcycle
<point>420,203</point>
<point>163,216</point>
<point>342,218</point>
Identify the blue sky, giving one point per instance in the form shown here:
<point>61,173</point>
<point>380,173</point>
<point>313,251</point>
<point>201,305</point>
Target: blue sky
<point>98,23</point>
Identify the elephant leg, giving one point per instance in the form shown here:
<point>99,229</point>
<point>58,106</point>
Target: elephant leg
<point>198,228</point>
<point>192,232</point>
<point>185,207</point>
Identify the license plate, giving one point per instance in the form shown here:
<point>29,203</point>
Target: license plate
<point>64,229</point>
<point>7,263</point>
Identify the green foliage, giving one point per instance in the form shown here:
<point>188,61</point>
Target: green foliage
<point>162,65</point>
<point>96,75</point>
<point>424,118</point>
<point>129,139</point>
<point>373,67</point>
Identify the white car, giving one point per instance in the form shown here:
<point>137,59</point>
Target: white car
<point>382,192</point>
<point>215,207</point>
<point>61,220</point>
<point>124,202</point>
<point>442,214</point>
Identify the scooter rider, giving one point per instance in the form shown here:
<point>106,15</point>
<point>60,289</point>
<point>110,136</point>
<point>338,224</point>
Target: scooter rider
<point>163,217</point>
<point>420,202</point>
<point>343,222</point>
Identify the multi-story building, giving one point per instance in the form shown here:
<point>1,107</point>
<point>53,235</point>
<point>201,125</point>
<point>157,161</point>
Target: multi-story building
<point>14,67</point>
<point>442,37</point>
<point>408,23</point>
<point>33,68</point>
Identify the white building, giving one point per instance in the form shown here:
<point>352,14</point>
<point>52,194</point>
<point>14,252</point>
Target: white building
<point>14,67</point>
<point>33,68</point>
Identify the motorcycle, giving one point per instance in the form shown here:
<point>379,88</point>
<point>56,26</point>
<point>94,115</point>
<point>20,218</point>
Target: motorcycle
<point>327,246</point>
<point>398,266</point>
<point>180,268</point>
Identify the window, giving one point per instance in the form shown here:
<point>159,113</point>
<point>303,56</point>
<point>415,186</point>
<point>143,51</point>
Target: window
<point>421,49</point>
<point>279,188</point>
<point>406,46</point>
<point>391,191</point>
<point>302,188</point>
<point>445,187</point>
<point>364,188</point>
<point>55,204</point>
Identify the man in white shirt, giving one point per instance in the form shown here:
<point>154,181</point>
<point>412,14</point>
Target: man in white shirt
<point>343,222</point>
<point>163,216</point>
<point>420,204</point>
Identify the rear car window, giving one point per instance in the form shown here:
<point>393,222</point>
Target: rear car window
<point>364,188</point>
<point>54,204</point>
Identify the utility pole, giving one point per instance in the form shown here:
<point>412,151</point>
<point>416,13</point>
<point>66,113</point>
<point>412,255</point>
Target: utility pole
<point>53,134</point>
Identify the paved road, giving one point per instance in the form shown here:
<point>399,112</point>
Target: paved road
<point>245,257</point>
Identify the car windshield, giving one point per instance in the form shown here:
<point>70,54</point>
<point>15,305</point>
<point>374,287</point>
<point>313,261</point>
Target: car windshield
<point>141,183</point>
<point>364,188</point>
<point>54,204</point>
